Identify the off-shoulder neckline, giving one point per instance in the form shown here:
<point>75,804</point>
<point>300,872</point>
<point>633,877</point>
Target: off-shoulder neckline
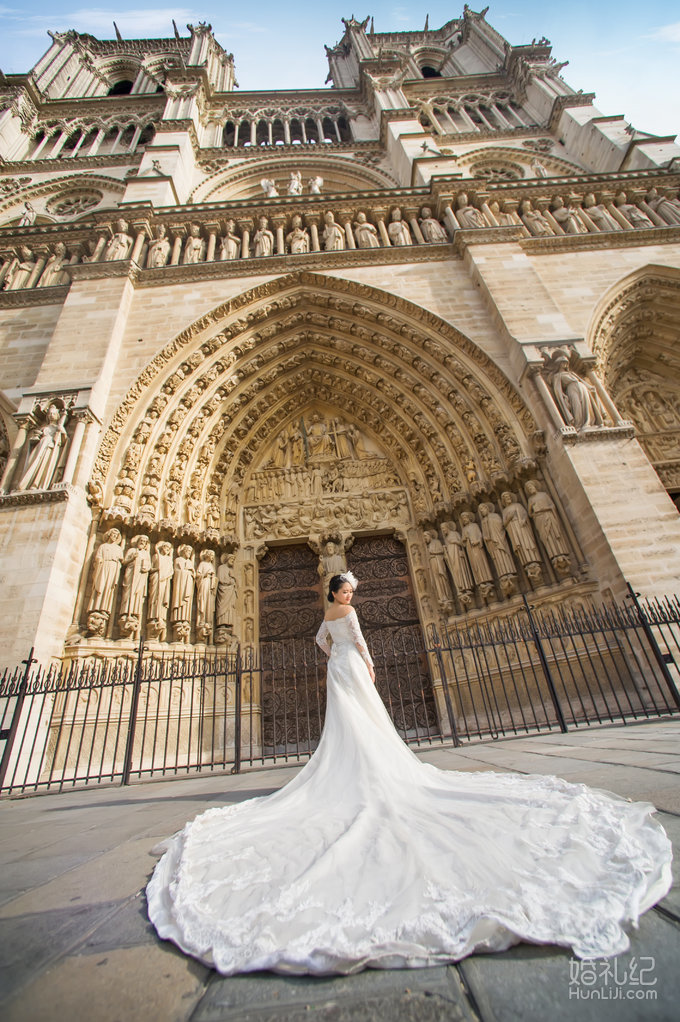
<point>342,616</point>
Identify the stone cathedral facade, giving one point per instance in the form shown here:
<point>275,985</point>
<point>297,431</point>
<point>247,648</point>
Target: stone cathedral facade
<point>423,323</point>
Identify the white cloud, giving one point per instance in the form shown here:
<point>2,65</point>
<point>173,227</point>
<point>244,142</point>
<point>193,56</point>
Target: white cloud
<point>135,24</point>
<point>667,33</point>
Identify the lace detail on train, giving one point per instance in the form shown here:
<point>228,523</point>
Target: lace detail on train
<point>369,857</point>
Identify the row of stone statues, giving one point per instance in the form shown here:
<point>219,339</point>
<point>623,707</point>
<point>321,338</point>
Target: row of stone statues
<point>271,191</point>
<point>495,545</point>
<point>161,585</point>
<point>25,268</point>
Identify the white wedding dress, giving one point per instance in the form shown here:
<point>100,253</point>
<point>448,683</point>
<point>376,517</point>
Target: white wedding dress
<point>369,857</point>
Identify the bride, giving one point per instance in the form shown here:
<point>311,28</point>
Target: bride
<point>369,857</point>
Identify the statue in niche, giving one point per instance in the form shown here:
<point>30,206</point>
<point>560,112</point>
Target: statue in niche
<point>319,443</point>
<point>518,527</point>
<point>120,245</point>
<point>634,215</point>
<point>665,206</point>
<point>268,186</point>
<point>106,569</point>
<point>295,183</point>
<point>54,273</point>
<point>206,589</point>
<point>576,399</point>
<point>333,235</point>
<point>496,543</point>
<point>467,216</point>
<point>194,246</point>
<point>43,460</point>
<point>458,563</point>
<point>567,217</point>
<point>432,230</point>
<point>28,216</point>
<point>315,184</point>
<point>231,243</point>
<point>263,239</point>
<point>332,561</point>
<point>600,215</point>
<point>474,547</point>
<point>136,568</point>
<point>159,249</point>
<point>160,579</point>
<point>534,221</point>
<point>504,217</point>
<point>538,168</point>
<point>212,509</point>
<point>182,593</point>
<point>398,229</point>
<point>435,549</point>
<point>226,598</point>
<point>171,500</point>
<point>297,240</point>
<point>543,513</point>
<point>20,272</point>
<point>365,232</point>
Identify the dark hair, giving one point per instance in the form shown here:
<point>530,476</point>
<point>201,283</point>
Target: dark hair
<point>335,585</point>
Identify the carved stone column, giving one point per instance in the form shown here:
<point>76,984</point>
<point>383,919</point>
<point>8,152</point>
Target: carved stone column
<point>212,230</point>
<point>411,216</point>
<point>278,222</point>
<point>345,218</point>
<point>380,215</point>
<point>25,423</point>
<point>312,223</point>
<point>177,232</point>
<point>245,226</point>
<point>142,229</point>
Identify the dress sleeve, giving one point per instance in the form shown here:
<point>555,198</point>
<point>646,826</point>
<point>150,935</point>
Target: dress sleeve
<point>355,629</point>
<point>322,637</point>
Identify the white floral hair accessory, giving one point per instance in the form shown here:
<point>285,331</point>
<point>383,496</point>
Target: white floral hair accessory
<point>347,576</point>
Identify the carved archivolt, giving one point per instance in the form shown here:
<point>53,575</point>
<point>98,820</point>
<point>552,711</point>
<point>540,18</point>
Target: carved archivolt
<point>203,412</point>
<point>58,186</point>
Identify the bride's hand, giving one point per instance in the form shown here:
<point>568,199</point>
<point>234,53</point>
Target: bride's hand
<point>371,671</point>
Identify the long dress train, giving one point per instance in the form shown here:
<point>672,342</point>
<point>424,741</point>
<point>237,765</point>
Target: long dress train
<point>369,857</point>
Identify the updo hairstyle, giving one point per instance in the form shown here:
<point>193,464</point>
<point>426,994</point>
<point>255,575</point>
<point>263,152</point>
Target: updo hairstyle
<point>335,585</point>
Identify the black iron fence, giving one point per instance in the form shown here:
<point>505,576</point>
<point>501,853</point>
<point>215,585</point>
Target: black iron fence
<point>153,715</point>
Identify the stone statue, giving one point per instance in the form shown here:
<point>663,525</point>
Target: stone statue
<point>333,235</point>
<point>365,233</point>
<point>226,597</point>
<point>194,246</point>
<point>182,593</point>
<point>206,588</point>
<point>600,215</point>
<point>160,579</point>
<point>398,229</point>
<point>315,185</point>
<point>432,230</point>
<point>120,245</point>
<point>318,441</point>
<point>136,568</point>
<point>665,206</point>
<point>633,214</point>
<point>269,188</point>
<point>332,561</point>
<point>576,399</point>
<point>518,527</point>
<point>474,547</point>
<point>538,168</point>
<point>544,516</point>
<point>159,249</point>
<point>28,216</point>
<point>295,183</point>
<point>44,458</point>
<point>344,448</point>
<point>54,274</point>
<point>263,239</point>
<point>297,240</point>
<point>534,221</point>
<point>458,563</point>
<point>503,216</point>
<point>231,243</point>
<point>467,216</point>
<point>493,534</point>
<point>435,549</point>
<point>567,217</point>
<point>107,564</point>
<point>20,272</point>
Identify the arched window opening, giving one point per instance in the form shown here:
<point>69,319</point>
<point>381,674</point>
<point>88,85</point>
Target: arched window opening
<point>344,129</point>
<point>244,133</point>
<point>424,120</point>
<point>296,131</point>
<point>428,71</point>
<point>147,135</point>
<point>278,134</point>
<point>328,130</point>
<point>229,133</point>
<point>108,141</point>
<point>128,135</point>
<point>72,141</point>
<point>311,130</point>
<point>262,135</point>
<point>121,88</point>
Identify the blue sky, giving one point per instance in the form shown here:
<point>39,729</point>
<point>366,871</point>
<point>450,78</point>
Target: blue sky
<point>626,52</point>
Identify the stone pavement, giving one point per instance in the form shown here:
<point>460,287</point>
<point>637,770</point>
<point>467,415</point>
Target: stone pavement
<point>76,945</point>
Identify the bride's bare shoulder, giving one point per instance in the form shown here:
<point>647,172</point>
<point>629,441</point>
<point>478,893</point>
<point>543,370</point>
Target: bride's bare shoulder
<point>335,613</point>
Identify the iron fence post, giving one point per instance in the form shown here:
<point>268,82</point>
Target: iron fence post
<point>236,769</point>
<point>436,643</point>
<point>132,723</point>
<point>545,665</point>
<point>658,655</point>
<point>16,717</point>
